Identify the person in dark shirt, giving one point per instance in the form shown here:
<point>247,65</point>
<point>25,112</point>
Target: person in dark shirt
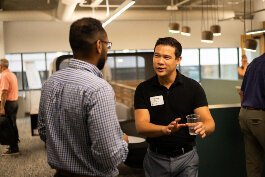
<point>161,106</point>
<point>252,116</point>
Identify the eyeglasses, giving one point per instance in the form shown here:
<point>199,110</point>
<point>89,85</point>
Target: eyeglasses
<point>109,44</point>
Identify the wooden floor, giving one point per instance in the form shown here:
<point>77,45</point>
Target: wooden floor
<point>32,161</point>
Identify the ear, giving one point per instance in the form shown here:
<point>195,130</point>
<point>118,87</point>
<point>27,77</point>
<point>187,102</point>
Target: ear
<point>98,46</point>
<point>179,60</point>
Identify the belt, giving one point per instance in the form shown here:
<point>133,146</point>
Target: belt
<point>171,152</point>
<point>251,108</point>
<point>62,173</point>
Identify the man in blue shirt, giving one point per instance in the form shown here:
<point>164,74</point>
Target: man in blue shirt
<point>77,116</point>
<point>252,116</point>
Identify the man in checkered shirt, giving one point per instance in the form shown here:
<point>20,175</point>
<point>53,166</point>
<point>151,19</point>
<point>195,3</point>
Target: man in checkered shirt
<point>77,116</point>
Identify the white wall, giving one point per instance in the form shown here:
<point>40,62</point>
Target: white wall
<point>36,36</point>
<point>143,34</point>
<point>2,41</point>
<point>26,36</point>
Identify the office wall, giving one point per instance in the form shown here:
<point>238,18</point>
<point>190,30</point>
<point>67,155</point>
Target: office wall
<point>2,41</point>
<point>33,36</point>
<point>36,36</point>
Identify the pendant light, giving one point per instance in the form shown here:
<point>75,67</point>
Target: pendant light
<point>185,29</point>
<point>249,44</point>
<point>173,26</point>
<point>216,28</point>
<point>207,36</point>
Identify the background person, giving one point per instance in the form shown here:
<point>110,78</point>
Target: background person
<point>77,116</point>
<point>9,101</point>
<point>252,116</point>
<point>161,105</point>
<point>242,69</point>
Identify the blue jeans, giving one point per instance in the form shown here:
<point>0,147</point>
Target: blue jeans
<point>157,165</point>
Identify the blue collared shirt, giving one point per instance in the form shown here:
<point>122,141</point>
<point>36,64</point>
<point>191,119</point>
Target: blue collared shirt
<point>78,122</point>
<point>253,85</point>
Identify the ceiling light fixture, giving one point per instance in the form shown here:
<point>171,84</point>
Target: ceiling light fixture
<point>207,35</point>
<point>255,31</point>
<point>123,7</point>
<point>173,27</point>
<point>185,29</point>
<point>249,44</point>
<point>216,28</point>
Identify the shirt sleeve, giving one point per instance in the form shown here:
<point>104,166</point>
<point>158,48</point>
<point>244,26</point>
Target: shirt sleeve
<point>139,98</point>
<point>245,78</point>
<point>108,148</point>
<point>199,96</point>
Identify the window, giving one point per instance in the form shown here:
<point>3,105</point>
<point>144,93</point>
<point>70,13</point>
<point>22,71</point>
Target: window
<point>49,59</point>
<point>35,68</point>
<point>126,68</point>
<point>111,63</point>
<point>209,64</point>
<point>228,63</point>
<point>16,67</point>
<point>189,64</point>
<point>133,65</point>
<point>140,68</point>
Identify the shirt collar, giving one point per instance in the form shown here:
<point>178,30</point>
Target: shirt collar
<point>82,65</point>
<point>178,80</point>
<point>6,70</point>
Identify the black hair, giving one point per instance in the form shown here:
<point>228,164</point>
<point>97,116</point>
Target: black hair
<point>171,42</point>
<point>84,33</point>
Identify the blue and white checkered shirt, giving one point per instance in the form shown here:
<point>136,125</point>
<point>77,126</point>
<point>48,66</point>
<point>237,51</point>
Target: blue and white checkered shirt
<point>78,122</point>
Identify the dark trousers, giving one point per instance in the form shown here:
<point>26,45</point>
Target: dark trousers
<point>252,123</point>
<point>11,108</point>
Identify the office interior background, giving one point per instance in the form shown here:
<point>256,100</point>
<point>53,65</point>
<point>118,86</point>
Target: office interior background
<point>33,33</point>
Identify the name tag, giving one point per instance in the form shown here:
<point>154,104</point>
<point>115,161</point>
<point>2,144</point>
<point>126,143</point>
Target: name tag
<point>157,100</point>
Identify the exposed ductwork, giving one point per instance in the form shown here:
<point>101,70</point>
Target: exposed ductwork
<point>161,15</point>
<point>94,3</point>
<point>66,9</point>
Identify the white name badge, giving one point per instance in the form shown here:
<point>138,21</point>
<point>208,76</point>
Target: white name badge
<point>157,100</point>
